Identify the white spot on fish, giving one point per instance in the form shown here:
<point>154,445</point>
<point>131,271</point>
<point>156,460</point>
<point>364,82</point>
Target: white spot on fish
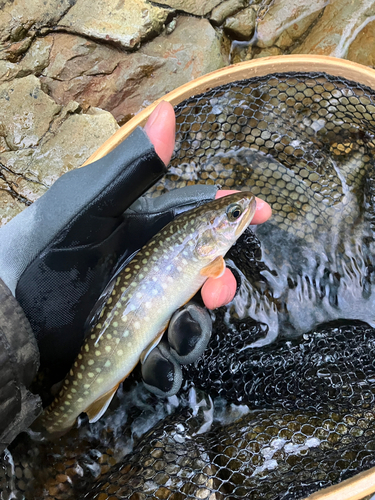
<point>137,325</point>
<point>107,364</point>
<point>108,348</point>
<point>126,333</point>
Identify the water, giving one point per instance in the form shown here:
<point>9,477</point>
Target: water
<point>305,145</point>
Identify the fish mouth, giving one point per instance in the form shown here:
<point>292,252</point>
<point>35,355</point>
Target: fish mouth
<point>247,216</point>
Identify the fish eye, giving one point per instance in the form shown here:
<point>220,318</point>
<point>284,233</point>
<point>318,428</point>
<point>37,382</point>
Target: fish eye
<point>234,211</point>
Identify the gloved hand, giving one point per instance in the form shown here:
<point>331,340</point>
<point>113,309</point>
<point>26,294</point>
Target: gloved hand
<point>58,255</point>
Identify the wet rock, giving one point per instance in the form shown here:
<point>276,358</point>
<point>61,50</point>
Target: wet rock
<point>241,26</point>
<point>341,21</point>
<point>226,9</point>
<point>196,7</point>
<point>95,74</point>
<point>33,62</point>
<point>241,51</point>
<point>287,19</point>
<point>102,76</point>
<point>362,50</point>
<point>59,153</point>
<point>292,34</point>
<point>124,23</point>
<point>268,52</point>
<point>37,145</point>
<point>26,112</point>
<point>18,18</point>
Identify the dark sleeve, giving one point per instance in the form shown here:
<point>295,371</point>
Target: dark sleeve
<point>73,238</point>
<point>19,361</point>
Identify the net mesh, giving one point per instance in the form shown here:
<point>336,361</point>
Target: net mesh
<point>280,405</point>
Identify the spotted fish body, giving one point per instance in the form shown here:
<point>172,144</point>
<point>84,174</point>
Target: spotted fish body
<point>163,276</point>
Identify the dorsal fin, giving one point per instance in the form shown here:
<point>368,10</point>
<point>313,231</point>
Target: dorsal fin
<point>215,269</point>
<point>99,407</point>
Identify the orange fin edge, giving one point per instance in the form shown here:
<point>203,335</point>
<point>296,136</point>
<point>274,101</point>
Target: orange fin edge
<point>214,269</point>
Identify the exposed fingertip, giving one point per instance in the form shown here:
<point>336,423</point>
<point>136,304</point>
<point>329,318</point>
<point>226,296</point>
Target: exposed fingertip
<point>161,129</point>
<point>220,291</point>
<point>263,212</point>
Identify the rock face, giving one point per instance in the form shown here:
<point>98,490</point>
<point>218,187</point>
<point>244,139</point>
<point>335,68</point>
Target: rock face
<point>123,83</point>
<point>37,146</point>
<point>241,26</point>
<point>362,50</point>
<point>125,22</point>
<point>287,20</point>
<point>17,18</point>
<point>226,9</point>
<point>26,112</point>
<point>196,7</point>
<point>341,21</point>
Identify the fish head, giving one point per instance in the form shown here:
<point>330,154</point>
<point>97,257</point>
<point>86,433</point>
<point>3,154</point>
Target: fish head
<point>222,223</point>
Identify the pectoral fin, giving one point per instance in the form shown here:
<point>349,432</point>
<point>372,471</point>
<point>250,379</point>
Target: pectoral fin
<point>99,407</point>
<point>215,269</point>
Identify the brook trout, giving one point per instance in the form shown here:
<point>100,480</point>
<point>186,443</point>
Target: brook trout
<point>162,277</point>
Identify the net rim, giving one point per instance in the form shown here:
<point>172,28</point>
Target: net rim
<point>309,63</point>
<point>363,484</point>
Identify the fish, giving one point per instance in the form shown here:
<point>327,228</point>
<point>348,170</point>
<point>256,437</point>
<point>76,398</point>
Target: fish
<point>317,129</point>
<point>162,277</point>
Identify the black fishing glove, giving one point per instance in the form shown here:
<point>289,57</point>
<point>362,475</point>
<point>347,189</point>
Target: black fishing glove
<point>57,256</point>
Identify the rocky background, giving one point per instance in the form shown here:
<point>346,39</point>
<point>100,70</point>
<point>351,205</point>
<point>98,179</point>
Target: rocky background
<point>72,71</point>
